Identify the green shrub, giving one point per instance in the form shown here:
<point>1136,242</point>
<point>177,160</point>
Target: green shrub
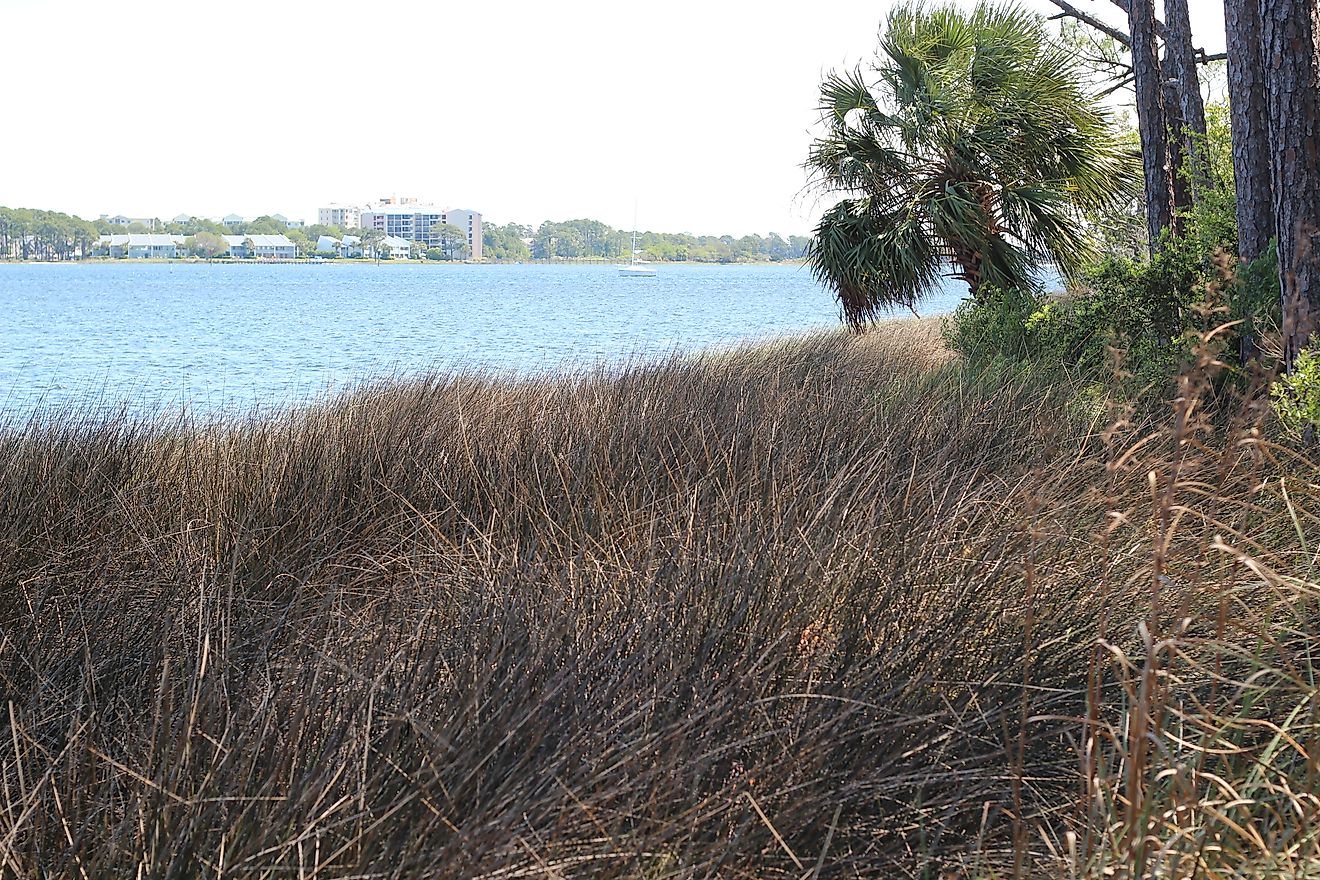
<point>1296,396</point>
<point>993,327</point>
<point>1254,298</point>
<point>1149,311</point>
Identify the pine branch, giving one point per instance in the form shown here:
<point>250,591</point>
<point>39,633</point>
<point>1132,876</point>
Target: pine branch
<point>1121,37</point>
<point>1088,19</point>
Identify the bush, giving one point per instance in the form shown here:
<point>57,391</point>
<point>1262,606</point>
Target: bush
<point>1296,396</point>
<point>994,327</point>
<point>1149,310</point>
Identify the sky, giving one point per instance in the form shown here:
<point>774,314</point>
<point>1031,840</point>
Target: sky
<point>690,115</point>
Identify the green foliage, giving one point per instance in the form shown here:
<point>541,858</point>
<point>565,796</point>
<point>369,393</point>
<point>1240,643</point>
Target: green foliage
<point>1296,396</point>
<point>996,326</point>
<point>1149,309</point>
<point>451,240</point>
<point>591,239</point>
<point>1255,295</point>
<point>978,142</point>
<point>206,244</point>
<point>1143,309</point>
<point>316,230</point>
<point>194,225</point>
<point>504,243</point>
<point>301,240</point>
<point>30,234</point>
<point>264,226</point>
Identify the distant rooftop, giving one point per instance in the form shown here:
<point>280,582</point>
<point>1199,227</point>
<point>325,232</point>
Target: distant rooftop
<point>258,240</point>
<point>403,209</point>
<point>140,239</point>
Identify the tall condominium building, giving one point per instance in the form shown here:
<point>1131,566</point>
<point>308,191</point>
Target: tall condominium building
<point>344,216</point>
<point>418,223</point>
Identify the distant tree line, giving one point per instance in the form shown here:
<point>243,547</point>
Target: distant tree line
<point>30,234</point>
<point>592,239</point>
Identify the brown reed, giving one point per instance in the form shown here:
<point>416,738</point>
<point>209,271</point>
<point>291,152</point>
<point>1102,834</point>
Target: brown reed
<point>834,607</point>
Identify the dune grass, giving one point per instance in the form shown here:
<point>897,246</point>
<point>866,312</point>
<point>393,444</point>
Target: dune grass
<point>837,607</point>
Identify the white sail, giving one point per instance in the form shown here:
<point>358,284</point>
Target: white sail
<point>637,268</point>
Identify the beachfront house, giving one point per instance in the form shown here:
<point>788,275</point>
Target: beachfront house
<point>397,248</point>
<point>121,220</point>
<point>264,247</point>
<point>232,220</point>
<point>140,246</point>
<point>348,246</point>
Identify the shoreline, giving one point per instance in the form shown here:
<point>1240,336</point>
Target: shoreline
<point>342,262</point>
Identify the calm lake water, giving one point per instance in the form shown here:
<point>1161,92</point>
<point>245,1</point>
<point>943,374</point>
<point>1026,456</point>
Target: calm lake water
<point>230,337</point>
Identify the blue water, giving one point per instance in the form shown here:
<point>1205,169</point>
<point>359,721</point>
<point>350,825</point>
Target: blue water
<point>230,337</point>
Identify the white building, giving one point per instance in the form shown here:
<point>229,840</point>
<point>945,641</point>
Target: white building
<point>141,246</point>
<point>121,220</point>
<point>288,224</point>
<point>343,216</point>
<point>469,222</point>
<point>414,222</point>
<point>233,220</point>
<point>269,247</point>
<point>397,248</point>
<point>348,246</point>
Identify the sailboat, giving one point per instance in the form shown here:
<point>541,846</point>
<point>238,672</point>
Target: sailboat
<point>637,268</point>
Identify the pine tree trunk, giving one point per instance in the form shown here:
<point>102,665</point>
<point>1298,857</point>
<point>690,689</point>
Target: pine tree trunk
<point>1250,129</point>
<point>1189,112</point>
<point>1150,119</point>
<point>1179,170</point>
<point>1289,51</point>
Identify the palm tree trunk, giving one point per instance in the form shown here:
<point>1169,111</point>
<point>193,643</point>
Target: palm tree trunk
<point>1150,120</point>
<point>1291,81</point>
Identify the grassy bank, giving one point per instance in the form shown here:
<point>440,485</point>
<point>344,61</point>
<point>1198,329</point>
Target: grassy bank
<point>836,608</point>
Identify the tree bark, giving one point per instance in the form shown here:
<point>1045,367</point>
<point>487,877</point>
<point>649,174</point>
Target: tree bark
<point>1150,119</point>
<point>1189,111</point>
<point>1250,129</point>
<point>1179,158</point>
<point>1291,81</point>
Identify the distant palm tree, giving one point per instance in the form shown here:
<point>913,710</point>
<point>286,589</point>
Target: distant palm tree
<point>976,143</point>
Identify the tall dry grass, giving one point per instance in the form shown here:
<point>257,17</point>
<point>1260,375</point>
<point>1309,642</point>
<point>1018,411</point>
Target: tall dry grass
<point>832,608</point>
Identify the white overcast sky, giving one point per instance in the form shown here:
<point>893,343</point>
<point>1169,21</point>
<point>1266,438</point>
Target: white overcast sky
<point>698,111</point>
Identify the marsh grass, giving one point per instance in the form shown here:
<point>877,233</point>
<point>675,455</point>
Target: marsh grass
<point>835,607</point>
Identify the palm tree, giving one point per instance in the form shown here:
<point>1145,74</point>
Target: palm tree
<point>976,144</point>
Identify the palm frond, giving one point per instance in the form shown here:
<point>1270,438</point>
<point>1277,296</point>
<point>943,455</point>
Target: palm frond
<point>976,140</point>
<point>872,259</point>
